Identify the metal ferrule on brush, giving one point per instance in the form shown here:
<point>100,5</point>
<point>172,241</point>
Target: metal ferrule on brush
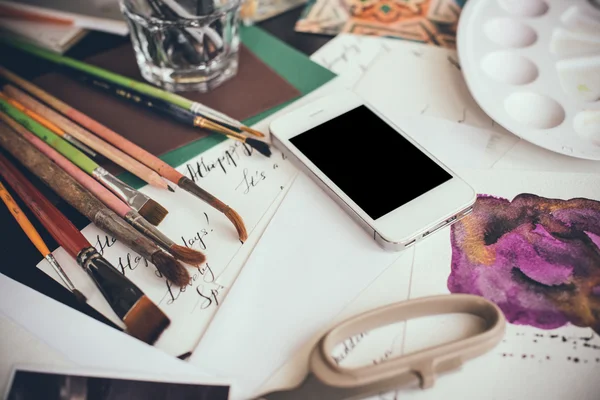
<point>213,114</point>
<point>148,230</point>
<point>86,256</point>
<point>80,145</point>
<point>52,261</point>
<point>208,124</point>
<point>122,190</point>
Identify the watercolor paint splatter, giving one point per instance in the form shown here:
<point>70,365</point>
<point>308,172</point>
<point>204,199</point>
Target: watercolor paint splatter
<point>538,259</point>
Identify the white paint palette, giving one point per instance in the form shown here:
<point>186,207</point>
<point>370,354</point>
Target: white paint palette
<point>534,67</point>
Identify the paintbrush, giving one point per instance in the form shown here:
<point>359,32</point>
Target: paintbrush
<point>143,319</point>
<point>143,204</point>
<point>52,127</point>
<point>42,121</point>
<point>177,113</point>
<point>88,205</point>
<point>123,210</point>
<point>37,241</point>
<point>137,86</point>
<point>143,156</point>
<point>26,102</point>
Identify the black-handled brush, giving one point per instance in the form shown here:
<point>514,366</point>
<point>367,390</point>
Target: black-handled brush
<point>171,110</point>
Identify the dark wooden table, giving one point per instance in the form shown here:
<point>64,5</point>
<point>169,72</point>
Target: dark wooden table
<point>18,257</point>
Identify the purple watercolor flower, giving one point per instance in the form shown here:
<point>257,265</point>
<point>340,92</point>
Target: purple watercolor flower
<point>537,258</point>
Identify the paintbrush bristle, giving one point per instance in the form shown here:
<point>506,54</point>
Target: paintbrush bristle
<point>153,212</point>
<point>238,222</point>
<point>171,269</point>
<point>187,255</point>
<point>261,147</point>
<point>79,296</point>
<point>252,131</point>
<point>145,321</point>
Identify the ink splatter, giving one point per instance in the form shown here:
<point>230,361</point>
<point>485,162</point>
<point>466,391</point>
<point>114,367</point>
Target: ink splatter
<point>538,259</point>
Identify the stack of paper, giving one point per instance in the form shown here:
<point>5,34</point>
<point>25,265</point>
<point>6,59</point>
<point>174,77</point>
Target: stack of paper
<point>58,38</point>
<point>100,15</point>
<point>57,25</point>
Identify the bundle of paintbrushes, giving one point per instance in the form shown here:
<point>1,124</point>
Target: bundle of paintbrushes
<point>138,201</point>
<point>108,143</point>
<point>149,244</point>
<point>142,318</point>
<point>27,127</point>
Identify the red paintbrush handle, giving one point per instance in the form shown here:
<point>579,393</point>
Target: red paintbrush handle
<point>61,229</point>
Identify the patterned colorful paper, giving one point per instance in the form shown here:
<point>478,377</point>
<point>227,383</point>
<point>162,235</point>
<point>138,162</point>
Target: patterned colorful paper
<point>426,21</point>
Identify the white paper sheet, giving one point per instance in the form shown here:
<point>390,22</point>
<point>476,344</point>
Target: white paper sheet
<point>20,346</point>
<point>349,56</point>
<point>79,339</point>
<point>528,364</point>
<point>296,280</point>
<point>390,287</point>
<point>236,264</point>
<point>414,79</point>
<point>410,79</point>
<point>249,183</point>
<point>527,156</point>
<point>455,144</point>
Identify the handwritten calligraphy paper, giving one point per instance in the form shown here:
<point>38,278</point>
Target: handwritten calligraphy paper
<point>246,181</point>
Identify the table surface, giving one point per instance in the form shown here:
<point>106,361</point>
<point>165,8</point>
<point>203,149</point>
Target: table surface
<point>18,256</point>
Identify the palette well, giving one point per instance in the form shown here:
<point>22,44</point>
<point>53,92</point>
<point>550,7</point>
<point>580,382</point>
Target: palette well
<point>534,67</point>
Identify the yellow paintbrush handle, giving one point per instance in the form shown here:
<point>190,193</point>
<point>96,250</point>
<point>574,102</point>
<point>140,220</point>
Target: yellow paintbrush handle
<point>23,221</point>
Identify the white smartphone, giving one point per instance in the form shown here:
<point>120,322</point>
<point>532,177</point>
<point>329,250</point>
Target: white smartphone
<point>395,189</point>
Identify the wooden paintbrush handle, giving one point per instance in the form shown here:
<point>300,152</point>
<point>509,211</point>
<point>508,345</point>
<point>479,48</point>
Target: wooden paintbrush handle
<point>75,194</point>
<point>135,151</point>
<point>50,173</point>
<point>160,106</point>
<point>22,220</point>
<point>61,229</point>
<point>103,194</point>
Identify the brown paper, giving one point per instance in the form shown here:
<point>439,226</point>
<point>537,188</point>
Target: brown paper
<point>255,88</point>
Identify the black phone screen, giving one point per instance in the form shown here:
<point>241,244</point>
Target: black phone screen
<point>370,161</point>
